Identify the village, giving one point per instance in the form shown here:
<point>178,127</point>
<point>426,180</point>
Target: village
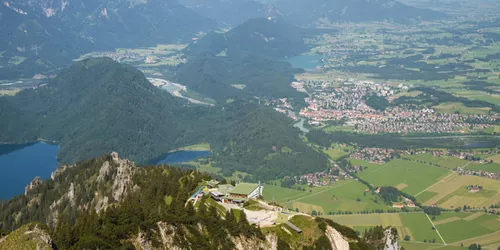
<point>344,100</point>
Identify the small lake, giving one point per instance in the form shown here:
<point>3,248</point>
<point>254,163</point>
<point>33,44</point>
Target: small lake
<point>183,156</point>
<point>21,163</point>
<point>307,62</point>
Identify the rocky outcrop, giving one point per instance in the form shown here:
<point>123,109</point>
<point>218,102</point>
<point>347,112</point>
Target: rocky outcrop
<point>35,182</point>
<point>336,239</point>
<point>123,178</point>
<point>391,240</point>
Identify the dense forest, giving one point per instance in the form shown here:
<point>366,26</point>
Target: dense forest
<point>98,106</point>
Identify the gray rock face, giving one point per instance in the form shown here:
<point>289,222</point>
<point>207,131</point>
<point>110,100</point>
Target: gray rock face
<point>35,182</point>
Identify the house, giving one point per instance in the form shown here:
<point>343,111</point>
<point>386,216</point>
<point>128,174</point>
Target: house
<point>377,191</point>
<point>398,205</point>
<point>246,191</point>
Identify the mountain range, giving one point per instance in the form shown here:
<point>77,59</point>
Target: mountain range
<point>40,35</point>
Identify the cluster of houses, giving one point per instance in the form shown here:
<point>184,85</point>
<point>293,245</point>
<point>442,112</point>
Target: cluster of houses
<point>375,155</point>
<point>324,178</point>
<point>465,171</point>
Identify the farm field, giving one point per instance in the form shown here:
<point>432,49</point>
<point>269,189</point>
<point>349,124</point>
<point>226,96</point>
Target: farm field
<point>465,228</point>
<point>416,176</point>
<point>340,196</point>
<point>452,193</point>
<point>428,246</point>
<point>452,107</point>
<point>419,227</point>
<point>361,221</point>
<point>444,161</point>
<point>494,158</point>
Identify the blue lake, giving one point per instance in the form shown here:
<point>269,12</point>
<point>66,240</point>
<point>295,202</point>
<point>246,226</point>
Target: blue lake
<point>307,62</point>
<point>19,164</point>
<point>184,156</point>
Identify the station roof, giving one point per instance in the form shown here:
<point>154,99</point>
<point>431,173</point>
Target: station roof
<point>244,188</point>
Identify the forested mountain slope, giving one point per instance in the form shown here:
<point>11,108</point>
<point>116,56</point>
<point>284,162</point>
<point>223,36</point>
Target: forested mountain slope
<point>99,105</point>
<point>109,203</point>
<point>246,61</point>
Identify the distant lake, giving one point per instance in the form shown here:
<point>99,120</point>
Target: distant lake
<point>307,62</point>
<point>183,156</point>
<point>19,164</point>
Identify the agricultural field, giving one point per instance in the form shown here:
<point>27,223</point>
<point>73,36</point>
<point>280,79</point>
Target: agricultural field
<point>452,193</point>
<point>454,107</point>
<point>444,161</point>
<point>419,227</point>
<point>416,176</point>
<point>494,158</point>
<point>475,225</point>
<point>428,246</point>
<point>340,196</point>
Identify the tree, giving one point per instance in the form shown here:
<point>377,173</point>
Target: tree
<point>407,238</point>
<point>314,213</point>
<point>297,209</point>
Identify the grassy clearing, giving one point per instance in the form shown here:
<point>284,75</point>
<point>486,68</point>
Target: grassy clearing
<point>420,227</point>
<point>195,147</point>
<point>417,176</point>
<point>337,150</point>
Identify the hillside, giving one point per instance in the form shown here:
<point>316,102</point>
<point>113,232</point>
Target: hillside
<point>109,203</point>
<point>245,62</point>
<point>308,12</point>
<point>233,12</point>
<point>49,33</point>
<point>98,105</point>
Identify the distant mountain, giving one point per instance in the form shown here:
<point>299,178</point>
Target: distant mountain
<point>232,12</point>
<point>49,33</point>
<point>307,12</point>
<point>244,62</point>
<point>270,38</point>
<point>99,105</point>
